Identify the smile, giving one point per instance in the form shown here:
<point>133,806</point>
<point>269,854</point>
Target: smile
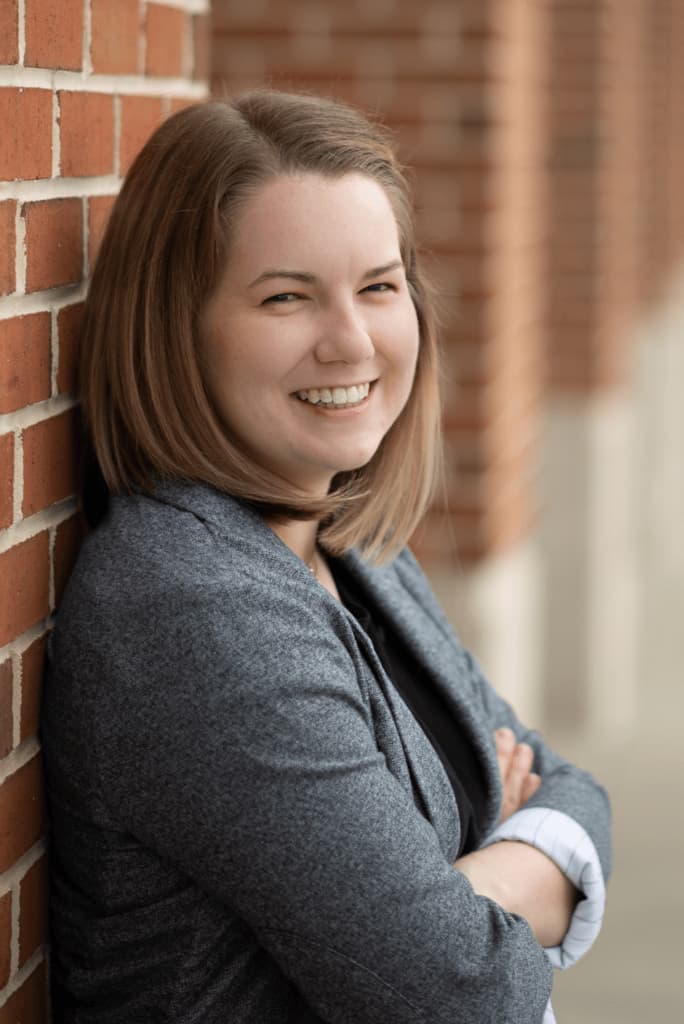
<point>335,397</point>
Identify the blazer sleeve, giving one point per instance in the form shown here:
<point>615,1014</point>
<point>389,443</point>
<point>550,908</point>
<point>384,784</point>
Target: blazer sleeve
<point>565,788</point>
<point>238,744</point>
<point>568,818</point>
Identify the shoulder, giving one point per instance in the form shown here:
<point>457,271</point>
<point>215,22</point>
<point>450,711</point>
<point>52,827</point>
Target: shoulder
<point>151,546</point>
<point>192,582</point>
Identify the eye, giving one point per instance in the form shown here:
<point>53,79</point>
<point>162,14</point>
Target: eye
<point>380,288</point>
<point>281,298</point>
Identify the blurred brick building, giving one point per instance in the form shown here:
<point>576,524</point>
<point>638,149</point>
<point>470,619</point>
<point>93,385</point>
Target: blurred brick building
<point>546,148</point>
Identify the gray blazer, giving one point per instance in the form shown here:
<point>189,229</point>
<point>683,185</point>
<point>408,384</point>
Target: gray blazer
<point>248,825</point>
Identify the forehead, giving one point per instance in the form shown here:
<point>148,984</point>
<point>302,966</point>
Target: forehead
<point>305,219</point>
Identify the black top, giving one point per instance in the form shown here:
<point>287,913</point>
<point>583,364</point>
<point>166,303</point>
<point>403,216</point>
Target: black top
<point>427,705</point>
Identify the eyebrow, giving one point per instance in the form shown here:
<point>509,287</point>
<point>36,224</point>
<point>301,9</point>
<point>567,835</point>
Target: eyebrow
<point>306,278</point>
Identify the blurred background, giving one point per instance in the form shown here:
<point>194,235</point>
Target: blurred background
<point>545,139</point>
<point>545,144</point>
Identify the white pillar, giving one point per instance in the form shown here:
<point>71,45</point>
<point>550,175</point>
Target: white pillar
<point>496,610</point>
<point>590,562</point>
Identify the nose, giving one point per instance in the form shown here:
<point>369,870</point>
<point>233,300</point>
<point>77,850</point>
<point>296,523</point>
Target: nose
<point>344,338</point>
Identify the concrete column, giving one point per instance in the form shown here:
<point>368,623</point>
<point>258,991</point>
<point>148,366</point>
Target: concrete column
<point>660,398</point>
<point>496,609</point>
<point>613,532</point>
<point>590,564</point>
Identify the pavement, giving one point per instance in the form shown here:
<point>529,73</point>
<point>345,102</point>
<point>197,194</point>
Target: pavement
<point>635,972</point>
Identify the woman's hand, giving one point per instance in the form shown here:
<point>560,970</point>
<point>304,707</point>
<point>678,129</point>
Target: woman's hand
<point>520,878</point>
<point>518,780</point>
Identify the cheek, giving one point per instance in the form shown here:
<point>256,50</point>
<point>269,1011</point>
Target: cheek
<point>232,365</point>
<point>406,341</point>
<point>223,373</point>
<point>410,359</point>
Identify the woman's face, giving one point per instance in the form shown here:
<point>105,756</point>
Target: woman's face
<point>311,335</point>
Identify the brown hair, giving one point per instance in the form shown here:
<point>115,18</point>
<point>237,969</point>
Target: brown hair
<point>146,404</point>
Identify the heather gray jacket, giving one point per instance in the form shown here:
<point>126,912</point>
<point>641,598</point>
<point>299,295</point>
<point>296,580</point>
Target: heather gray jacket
<point>248,825</point>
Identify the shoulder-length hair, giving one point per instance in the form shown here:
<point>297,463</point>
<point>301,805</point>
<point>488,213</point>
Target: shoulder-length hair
<point>143,379</point>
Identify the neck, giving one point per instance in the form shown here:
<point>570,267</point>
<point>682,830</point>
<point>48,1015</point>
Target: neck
<point>300,537</point>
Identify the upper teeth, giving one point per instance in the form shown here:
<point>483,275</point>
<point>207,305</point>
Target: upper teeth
<point>335,396</point>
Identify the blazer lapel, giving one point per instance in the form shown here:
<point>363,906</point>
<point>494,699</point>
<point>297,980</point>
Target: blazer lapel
<point>419,620</point>
<point>410,755</point>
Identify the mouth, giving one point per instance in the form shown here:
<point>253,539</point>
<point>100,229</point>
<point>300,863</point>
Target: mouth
<point>337,397</point>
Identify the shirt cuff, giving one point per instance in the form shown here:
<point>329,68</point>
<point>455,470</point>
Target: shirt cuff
<point>564,840</point>
<point>549,1016</point>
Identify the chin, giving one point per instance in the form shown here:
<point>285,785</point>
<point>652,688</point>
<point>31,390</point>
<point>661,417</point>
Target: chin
<point>349,465</point>
<point>346,463</point>
<point>358,457</point>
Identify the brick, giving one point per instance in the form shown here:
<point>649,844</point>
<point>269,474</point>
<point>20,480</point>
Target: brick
<point>54,243</point>
<point>24,587</point>
<point>8,249</point>
<point>24,361</point>
<point>86,127</point>
<point>70,533</point>
<point>54,34</point>
<point>9,40</point>
<point>201,46</point>
<point>165,39</point>
<point>407,17</point>
<point>6,479</point>
<point>115,28</point>
<point>22,812</point>
<point>33,910</point>
<point>353,55</point>
<point>140,115</point>
<point>69,321</point>
<point>32,668</point>
<point>181,103</point>
<point>6,717</point>
<point>50,457</point>
<point>26,141</point>
<point>5,937</point>
<point>99,208</point>
<point>28,1005</point>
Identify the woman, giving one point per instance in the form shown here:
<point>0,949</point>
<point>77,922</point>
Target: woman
<point>277,781</point>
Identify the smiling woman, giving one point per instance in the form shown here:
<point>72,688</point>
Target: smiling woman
<point>221,188</point>
<point>280,790</point>
<point>310,381</point>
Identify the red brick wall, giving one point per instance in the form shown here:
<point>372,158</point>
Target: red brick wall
<point>462,85</point>
<point>616,163</point>
<point>661,145</point>
<point>82,83</point>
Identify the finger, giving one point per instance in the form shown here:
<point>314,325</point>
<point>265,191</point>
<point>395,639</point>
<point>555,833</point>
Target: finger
<point>523,759</point>
<point>530,786</point>
<point>504,739</point>
<point>518,771</point>
<point>505,742</point>
<point>518,768</point>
